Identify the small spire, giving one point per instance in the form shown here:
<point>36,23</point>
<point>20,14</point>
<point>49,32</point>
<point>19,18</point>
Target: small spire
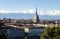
<point>36,8</point>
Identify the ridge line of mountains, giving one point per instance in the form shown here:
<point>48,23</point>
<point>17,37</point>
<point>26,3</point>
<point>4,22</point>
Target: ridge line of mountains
<point>27,16</point>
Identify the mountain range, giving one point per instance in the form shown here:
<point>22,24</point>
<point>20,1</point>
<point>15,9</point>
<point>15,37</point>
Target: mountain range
<point>27,16</point>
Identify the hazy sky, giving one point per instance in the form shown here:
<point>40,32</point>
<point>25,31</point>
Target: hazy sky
<point>45,7</point>
<point>30,4</point>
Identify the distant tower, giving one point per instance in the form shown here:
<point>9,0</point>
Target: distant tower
<point>36,18</point>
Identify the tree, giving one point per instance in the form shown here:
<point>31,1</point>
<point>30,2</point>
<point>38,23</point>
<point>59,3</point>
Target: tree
<point>51,33</point>
<point>2,31</point>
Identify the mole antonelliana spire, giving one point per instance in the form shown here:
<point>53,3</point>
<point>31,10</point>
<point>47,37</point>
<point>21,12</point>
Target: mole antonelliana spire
<point>36,18</point>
